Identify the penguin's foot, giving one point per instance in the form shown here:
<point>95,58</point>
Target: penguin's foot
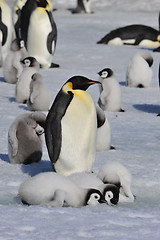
<point>54,65</point>
<point>112,148</point>
<point>122,110</point>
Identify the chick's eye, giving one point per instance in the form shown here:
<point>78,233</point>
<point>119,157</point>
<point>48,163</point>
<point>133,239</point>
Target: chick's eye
<point>109,195</point>
<point>96,196</point>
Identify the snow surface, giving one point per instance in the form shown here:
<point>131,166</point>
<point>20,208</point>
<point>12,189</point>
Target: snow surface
<point>135,133</point>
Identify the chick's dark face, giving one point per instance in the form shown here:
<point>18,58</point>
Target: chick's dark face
<point>111,194</point>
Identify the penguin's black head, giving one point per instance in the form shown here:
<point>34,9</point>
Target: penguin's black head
<point>105,73</point>
<point>29,62</point>
<point>94,197</point>
<point>41,3</point>
<point>111,194</point>
<point>80,82</point>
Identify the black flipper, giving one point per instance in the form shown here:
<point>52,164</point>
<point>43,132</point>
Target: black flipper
<point>17,25</point>
<point>3,28</point>
<point>53,131</point>
<point>52,36</point>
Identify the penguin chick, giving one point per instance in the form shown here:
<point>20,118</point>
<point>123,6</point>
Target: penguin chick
<point>12,67</point>
<point>116,173</point>
<point>83,6</point>
<point>110,91</point>
<point>22,92</point>
<point>71,126</point>
<point>24,138</point>
<point>90,180</point>
<point>103,131</point>
<point>55,190</point>
<point>39,99</point>
<point>139,72</point>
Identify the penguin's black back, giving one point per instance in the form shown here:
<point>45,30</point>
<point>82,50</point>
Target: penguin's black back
<point>131,32</point>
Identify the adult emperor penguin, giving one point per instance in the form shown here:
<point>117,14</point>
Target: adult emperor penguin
<point>90,180</point>
<point>12,67</point>
<point>6,27</point>
<point>135,34</point>
<point>83,6</point>
<point>139,72</point>
<point>71,125</point>
<point>22,91</point>
<point>110,91</point>
<point>118,174</point>
<point>103,131</point>
<point>24,138</point>
<point>46,33</point>
<point>39,98</point>
<point>55,190</point>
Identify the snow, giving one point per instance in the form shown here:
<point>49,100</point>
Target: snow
<point>135,133</point>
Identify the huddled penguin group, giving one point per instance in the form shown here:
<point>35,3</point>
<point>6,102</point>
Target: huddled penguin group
<point>75,127</point>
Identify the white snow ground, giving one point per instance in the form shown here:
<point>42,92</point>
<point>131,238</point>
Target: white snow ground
<point>135,133</point>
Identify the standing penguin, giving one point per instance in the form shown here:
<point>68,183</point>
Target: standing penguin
<point>83,6</point>
<point>6,27</point>
<point>103,131</point>
<point>39,99</point>
<point>71,125</point>
<point>116,173</point>
<point>24,138</point>
<point>110,92</point>
<point>12,67</point>
<point>22,91</point>
<point>139,72</point>
<point>42,49</point>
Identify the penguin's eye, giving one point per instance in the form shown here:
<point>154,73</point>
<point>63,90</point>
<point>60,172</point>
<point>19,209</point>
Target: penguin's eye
<point>108,195</point>
<point>104,74</point>
<point>96,196</point>
<point>27,63</point>
<point>21,43</point>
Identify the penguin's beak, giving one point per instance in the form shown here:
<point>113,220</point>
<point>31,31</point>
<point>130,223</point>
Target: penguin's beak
<point>93,82</point>
<point>102,200</point>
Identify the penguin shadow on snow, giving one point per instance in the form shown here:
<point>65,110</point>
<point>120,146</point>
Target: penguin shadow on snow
<point>36,168</point>
<point>2,79</point>
<point>149,108</point>
<point>4,157</point>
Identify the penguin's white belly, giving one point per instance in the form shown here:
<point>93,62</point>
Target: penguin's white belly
<point>23,85</point>
<point>38,31</point>
<point>7,20</point>
<point>111,99</point>
<point>78,136</point>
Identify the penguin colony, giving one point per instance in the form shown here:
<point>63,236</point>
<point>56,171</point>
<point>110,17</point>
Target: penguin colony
<point>75,127</point>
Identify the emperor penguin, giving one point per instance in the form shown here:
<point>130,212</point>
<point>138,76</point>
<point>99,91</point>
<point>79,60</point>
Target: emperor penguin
<point>22,92</point>
<point>55,190</point>
<point>110,192</point>
<point>135,34</point>
<point>139,71</point>
<point>110,92</point>
<point>103,139</point>
<point>118,174</point>
<point>12,67</point>
<point>46,33</point>
<point>71,126</point>
<point>24,138</point>
<point>39,98</point>
<point>6,27</point>
<point>83,6</point>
